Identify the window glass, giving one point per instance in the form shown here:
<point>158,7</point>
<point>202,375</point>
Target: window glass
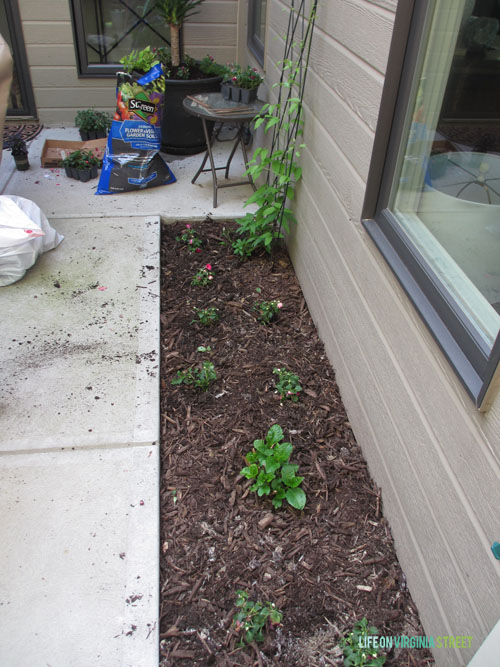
<point>110,29</point>
<point>257,27</point>
<point>446,191</point>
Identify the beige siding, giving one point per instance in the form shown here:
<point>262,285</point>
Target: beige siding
<point>58,91</point>
<point>435,456</point>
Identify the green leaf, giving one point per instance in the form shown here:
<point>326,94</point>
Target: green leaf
<point>264,490</point>
<point>283,451</point>
<point>271,465</point>
<point>296,498</point>
<point>250,472</point>
<point>288,472</point>
<point>275,434</point>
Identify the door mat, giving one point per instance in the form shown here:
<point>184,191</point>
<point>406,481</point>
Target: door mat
<point>27,132</point>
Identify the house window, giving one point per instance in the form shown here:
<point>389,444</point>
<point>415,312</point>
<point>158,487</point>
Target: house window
<point>435,211</point>
<point>107,30</point>
<point>257,28</point>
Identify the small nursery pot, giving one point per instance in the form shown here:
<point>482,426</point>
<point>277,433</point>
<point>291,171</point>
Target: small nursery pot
<point>22,162</point>
<point>235,93</point>
<point>225,89</point>
<point>248,95</point>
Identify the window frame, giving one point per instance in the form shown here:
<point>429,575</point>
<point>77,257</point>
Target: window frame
<point>477,367</point>
<point>84,69</point>
<point>254,43</point>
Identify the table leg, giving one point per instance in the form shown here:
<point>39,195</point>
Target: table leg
<point>233,151</point>
<point>212,163</point>
<point>245,157</point>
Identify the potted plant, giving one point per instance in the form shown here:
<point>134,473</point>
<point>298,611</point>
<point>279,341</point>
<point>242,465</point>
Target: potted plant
<point>242,84</point>
<point>182,134</point>
<point>19,150</point>
<point>81,165</point>
<point>92,124</point>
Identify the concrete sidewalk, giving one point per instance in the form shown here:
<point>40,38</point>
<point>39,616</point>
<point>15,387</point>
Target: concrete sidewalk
<point>79,419</point>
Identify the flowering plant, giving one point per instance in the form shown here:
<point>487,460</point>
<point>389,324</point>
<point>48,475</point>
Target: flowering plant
<point>253,616</point>
<point>287,384</point>
<point>81,159</point>
<point>190,239</point>
<point>355,650</point>
<point>249,78</point>
<point>267,311</point>
<point>203,276</point>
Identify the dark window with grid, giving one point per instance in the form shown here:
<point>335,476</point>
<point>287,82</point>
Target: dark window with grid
<point>107,30</point>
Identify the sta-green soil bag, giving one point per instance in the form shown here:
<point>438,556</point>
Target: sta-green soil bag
<point>132,160</point>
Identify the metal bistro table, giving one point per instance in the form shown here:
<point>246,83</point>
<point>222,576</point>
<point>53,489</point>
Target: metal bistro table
<point>213,107</point>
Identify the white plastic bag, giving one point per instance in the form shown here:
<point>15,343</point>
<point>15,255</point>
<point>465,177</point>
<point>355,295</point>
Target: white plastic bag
<point>25,233</point>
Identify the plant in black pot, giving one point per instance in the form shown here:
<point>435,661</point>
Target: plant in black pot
<point>81,165</point>
<point>241,84</point>
<point>19,150</point>
<point>92,124</point>
<point>182,134</point>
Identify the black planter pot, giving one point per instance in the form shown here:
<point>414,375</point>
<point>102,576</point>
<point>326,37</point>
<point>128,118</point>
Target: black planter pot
<point>87,135</point>
<point>22,162</point>
<point>182,134</point>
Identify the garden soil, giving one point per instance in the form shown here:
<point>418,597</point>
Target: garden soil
<point>325,567</point>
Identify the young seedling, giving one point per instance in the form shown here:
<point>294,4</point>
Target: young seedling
<point>200,377</point>
<point>252,618</point>
<point>287,384</point>
<point>357,653</point>
<point>190,239</point>
<point>267,311</point>
<point>268,464</point>
<point>206,316</point>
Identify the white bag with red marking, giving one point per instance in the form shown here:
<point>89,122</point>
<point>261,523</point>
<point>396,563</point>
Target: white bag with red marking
<point>25,233</point>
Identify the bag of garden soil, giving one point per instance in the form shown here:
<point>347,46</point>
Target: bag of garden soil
<point>132,160</point>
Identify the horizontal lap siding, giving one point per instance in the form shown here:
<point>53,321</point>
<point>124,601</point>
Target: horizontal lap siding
<point>434,455</point>
<point>58,91</point>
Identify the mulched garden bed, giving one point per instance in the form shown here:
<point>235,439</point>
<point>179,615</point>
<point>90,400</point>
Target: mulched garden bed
<point>324,567</point>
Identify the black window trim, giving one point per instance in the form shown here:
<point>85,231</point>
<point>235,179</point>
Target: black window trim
<point>19,54</point>
<point>256,46</point>
<point>477,367</point>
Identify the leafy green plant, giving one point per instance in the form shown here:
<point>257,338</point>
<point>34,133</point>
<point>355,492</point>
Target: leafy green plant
<point>267,311</point>
<point>90,119</point>
<point>287,384</point>
<point>140,61</point>
<point>279,162</point>
<point>203,276</point>
<point>354,646</point>
<point>200,377</point>
<point>252,617</point>
<point>206,316</point>
<point>268,463</point>
<point>190,239</point>
<point>81,159</point>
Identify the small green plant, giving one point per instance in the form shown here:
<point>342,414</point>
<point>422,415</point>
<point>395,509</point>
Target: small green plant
<point>90,119</point>
<point>203,276</point>
<point>140,61</point>
<point>200,377</point>
<point>287,384</point>
<point>206,316</point>
<point>354,646</point>
<point>267,311</point>
<point>252,617</point>
<point>268,464</point>
<point>190,239</point>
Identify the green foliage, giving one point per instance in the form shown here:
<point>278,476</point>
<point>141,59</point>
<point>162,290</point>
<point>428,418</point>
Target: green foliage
<point>17,146</point>
<point>209,67</point>
<point>354,646</point>
<point>200,377</point>
<point>206,316</point>
<point>287,384</point>
<point>175,12</point>
<point>252,617</point>
<point>140,61</point>
<point>203,276</point>
<point>268,463</point>
<point>81,159</point>
<point>90,119</point>
<point>190,239</point>
<point>267,311</point>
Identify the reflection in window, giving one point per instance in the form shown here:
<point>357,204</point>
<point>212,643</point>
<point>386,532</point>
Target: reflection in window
<point>446,194</point>
<point>257,28</point>
<point>109,29</point>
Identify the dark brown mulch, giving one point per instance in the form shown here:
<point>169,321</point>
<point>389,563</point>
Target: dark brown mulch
<point>325,567</point>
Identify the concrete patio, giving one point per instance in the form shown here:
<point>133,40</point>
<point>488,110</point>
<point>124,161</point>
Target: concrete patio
<point>79,418</point>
